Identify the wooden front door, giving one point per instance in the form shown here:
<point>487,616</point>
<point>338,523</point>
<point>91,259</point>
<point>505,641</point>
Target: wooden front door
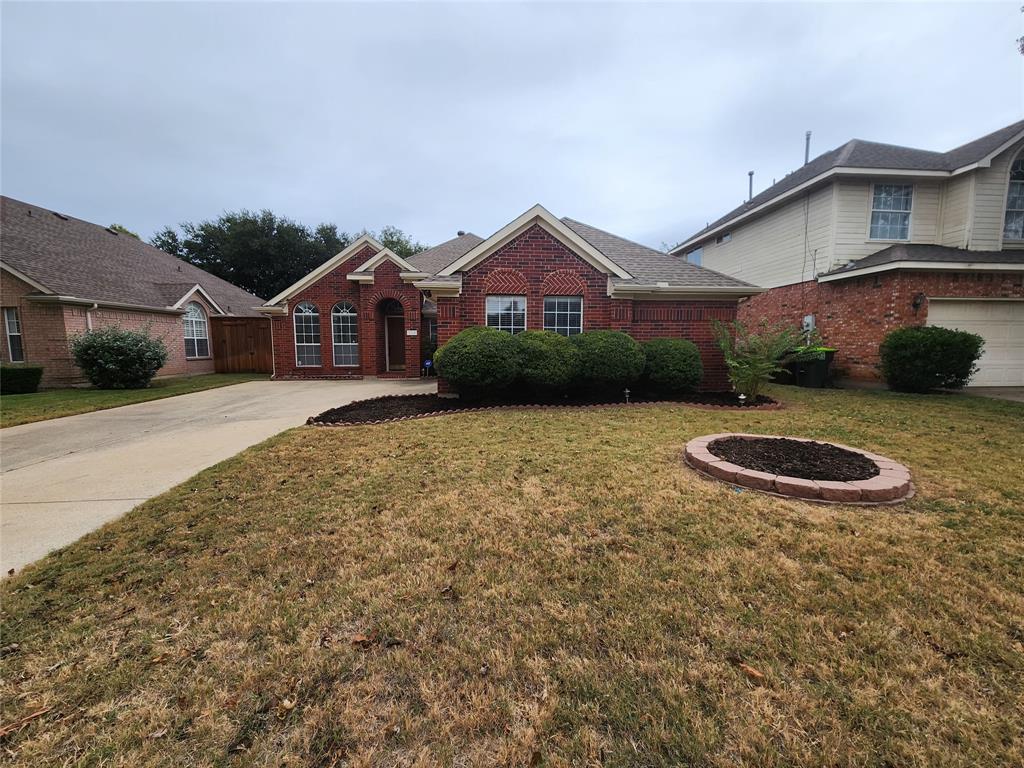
<point>394,330</point>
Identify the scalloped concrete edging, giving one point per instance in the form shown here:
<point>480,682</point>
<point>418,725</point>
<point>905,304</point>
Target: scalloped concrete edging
<point>311,422</point>
<point>891,485</point>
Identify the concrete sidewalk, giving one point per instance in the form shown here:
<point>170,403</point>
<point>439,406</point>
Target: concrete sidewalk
<point>65,477</point>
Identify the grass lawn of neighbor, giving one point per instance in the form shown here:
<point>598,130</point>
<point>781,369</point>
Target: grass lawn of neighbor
<point>549,588</point>
<point>54,403</point>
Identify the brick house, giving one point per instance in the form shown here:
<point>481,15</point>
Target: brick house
<point>60,276</point>
<point>870,237</point>
<point>369,312</point>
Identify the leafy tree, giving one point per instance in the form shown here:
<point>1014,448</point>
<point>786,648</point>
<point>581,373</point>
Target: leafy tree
<point>123,230</point>
<point>396,240</point>
<point>262,252</point>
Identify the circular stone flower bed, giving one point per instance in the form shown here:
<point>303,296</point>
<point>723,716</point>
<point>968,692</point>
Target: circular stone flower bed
<point>801,468</point>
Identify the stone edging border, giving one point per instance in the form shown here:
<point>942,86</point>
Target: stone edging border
<point>891,485</point>
<point>310,422</point>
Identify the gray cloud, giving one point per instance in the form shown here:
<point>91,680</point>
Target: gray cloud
<point>641,119</point>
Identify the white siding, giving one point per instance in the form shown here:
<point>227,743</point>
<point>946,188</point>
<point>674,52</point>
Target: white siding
<point>771,251</point>
<point>956,211</point>
<point>853,215</point>
<point>990,188</point>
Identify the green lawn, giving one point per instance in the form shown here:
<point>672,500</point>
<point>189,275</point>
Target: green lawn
<point>544,588</point>
<point>54,403</point>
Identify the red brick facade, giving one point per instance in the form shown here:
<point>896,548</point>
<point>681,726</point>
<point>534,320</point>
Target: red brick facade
<point>369,299</point>
<point>855,314</point>
<point>47,328</point>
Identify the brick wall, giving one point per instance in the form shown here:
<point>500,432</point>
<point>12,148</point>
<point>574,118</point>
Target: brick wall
<point>536,265</point>
<point>854,315</point>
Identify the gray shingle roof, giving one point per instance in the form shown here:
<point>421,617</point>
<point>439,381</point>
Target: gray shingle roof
<point>930,253</point>
<point>433,260</point>
<point>858,153</point>
<point>72,257</point>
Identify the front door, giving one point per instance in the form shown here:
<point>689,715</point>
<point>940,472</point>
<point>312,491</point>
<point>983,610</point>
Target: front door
<point>394,342</point>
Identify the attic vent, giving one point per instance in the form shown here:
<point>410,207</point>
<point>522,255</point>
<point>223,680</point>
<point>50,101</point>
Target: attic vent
<point>60,216</point>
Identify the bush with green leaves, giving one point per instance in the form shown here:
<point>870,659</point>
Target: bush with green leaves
<point>754,357</point>
<point>548,362</point>
<point>673,366</point>
<point>923,359</point>
<point>610,361</point>
<point>479,362</point>
<point>20,379</point>
<point>116,358</point>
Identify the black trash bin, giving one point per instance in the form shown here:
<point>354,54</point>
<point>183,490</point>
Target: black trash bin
<point>814,373</point>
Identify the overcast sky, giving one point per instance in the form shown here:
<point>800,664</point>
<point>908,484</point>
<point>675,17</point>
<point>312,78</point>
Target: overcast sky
<point>639,119</point>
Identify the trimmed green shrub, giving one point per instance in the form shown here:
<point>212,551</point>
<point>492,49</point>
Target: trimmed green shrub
<point>19,379</point>
<point>478,362</point>
<point>922,359</point>
<point>548,362</point>
<point>673,366</point>
<point>115,358</point>
<point>609,361</point>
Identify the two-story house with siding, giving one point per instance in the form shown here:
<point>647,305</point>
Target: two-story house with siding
<point>869,237</point>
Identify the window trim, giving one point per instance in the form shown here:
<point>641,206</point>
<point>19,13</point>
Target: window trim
<point>511,331</point>
<point>544,324</point>
<point>206,329</point>
<point>1006,202</point>
<point>872,209</point>
<point>295,336</point>
<point>354,313</point>
<point>8,334</point>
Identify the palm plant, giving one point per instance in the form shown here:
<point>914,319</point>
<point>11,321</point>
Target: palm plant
<point>753,358</point>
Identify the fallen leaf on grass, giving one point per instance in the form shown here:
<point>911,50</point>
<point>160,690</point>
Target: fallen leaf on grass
<point>17,725</point>
<point>751,672</point>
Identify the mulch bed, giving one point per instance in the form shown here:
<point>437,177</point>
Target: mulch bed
<point>795,458</point>
<point>391,407</point>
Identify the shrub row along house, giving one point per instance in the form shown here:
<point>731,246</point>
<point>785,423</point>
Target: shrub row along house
<point>368,311</point>
<point>871,237</point>
<point>62,276</point>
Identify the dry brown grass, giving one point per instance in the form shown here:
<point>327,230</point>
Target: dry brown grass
<point>547,588</point>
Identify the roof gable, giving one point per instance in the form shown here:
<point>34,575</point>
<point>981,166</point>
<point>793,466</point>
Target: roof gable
<point>540,216</point>
<point>342,256</point>
<point>385,255</point>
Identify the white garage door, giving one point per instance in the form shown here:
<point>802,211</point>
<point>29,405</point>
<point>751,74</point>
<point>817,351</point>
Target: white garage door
<point>1000,324</point>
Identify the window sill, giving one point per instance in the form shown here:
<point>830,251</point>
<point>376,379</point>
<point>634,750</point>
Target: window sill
<point>872,240</point>
<point>197,359</point>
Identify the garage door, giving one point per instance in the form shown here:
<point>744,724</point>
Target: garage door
<point>1000,324</point>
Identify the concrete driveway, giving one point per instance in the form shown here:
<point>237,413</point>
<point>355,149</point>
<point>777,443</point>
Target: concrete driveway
<point>63,478</point>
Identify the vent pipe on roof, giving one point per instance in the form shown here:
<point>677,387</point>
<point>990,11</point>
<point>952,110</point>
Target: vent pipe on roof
<point>750,186</point>
<point>807,147</point>
<point>460,233</point>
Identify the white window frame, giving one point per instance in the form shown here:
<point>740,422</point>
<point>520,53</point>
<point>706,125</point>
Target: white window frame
<point>193,324</point>
<point>569,330</point>
<point>1019,160</point>
<point>872,211</point>
<point>9,314</point>
<point>337,314</point>
<point>295,332</point>
<point>513,328</point>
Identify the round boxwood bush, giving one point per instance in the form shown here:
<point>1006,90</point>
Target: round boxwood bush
<point>19,379</point>
<point>922,359</point>
<point>115,358</point>
<point>673,366</point>
<point>548,362</point>
<point>478,362</point>
<point>609,361</point>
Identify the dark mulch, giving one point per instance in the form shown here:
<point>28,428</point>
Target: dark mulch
<point>793,458</point>
<point>400,406</point>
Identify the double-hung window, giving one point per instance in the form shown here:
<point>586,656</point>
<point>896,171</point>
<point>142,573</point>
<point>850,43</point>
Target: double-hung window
<point>506,313</point>
<point>344,327</point>
<point>12,327</point>
<point>563,314</point>
<point>197,336</point>
<point>890,211</point>
<point>1013,225</point>
<point>307,335</point>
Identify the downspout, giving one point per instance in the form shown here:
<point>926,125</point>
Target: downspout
<point>88,316</point>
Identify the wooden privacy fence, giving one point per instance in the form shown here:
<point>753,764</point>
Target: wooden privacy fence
<point>242,345</point>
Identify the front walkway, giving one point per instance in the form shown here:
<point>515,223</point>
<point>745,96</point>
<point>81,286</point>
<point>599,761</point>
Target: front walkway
<point>65,477</point>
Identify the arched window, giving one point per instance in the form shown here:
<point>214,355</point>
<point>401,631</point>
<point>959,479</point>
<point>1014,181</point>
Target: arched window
<point>345,331</point>
<point>1013,225</point>
<point>307,334</point>
<point>197,337</point>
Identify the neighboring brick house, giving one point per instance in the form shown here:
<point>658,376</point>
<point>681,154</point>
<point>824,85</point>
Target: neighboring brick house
<point>368,312</point>
<point>60,276</point>
<point>870,237</point>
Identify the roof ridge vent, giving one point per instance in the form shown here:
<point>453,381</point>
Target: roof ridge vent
<point>60,216</point>
<point>111,231</point>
